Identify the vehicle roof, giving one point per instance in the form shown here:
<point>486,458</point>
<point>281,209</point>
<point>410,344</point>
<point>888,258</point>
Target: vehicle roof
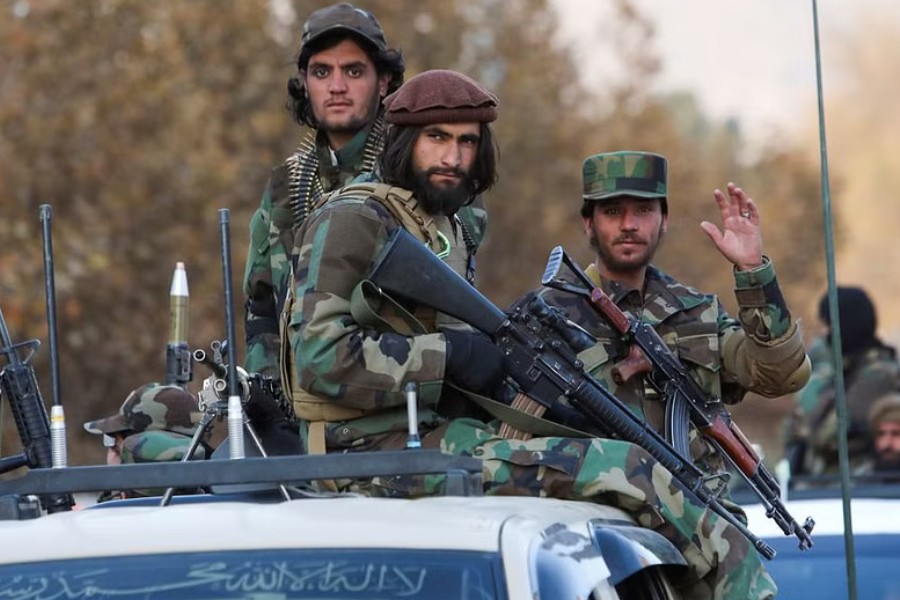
<point>455,523</point>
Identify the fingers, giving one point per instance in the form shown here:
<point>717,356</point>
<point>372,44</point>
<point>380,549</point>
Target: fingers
<point>737,204</point>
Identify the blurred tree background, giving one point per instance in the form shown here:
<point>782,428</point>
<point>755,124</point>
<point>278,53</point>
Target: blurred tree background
<point>138,120</point>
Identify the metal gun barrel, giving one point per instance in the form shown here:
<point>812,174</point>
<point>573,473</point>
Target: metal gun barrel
<point>218,369</point>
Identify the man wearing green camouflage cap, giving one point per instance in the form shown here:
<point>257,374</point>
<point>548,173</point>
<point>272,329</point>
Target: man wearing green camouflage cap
<point>154,424</point>
<point>345,68</point>
<point>625,216</point>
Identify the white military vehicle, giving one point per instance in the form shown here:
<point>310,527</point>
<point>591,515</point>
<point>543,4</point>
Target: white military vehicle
<point>258,545</point>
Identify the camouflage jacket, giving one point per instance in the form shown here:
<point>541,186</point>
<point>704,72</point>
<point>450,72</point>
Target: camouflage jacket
<point>867,376</point>
<point>293,188</point>
<point>154,445</point>
<point>360,368</point>
<point>762,352</point>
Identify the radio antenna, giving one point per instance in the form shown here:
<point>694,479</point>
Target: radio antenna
<point>57,417</point>
<point>235,410</point>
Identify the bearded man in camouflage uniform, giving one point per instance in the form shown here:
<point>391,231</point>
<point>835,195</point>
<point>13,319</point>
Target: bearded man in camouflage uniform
<point>155,424</point>
<point>871,371</point>
<point>345,69</point>
<point>349,354</point>
<point>625,216</point>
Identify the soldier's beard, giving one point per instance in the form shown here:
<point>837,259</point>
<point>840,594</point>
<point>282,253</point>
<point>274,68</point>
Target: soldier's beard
<point>887,461</point>
<point>443,200</point>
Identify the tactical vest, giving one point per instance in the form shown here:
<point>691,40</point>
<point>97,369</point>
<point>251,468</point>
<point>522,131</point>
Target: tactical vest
<point>437,234</point>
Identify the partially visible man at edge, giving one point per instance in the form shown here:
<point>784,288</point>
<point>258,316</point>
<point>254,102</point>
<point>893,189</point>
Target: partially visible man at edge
<point>625,217</point>
<point>345,70</point>
<point>347,359</point>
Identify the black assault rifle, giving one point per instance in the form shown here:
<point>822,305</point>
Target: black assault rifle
<point>686,401</point>
<point>19,384</point>
<point>539,360</point>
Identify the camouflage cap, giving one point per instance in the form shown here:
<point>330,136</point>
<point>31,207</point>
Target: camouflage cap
<point>625,173</point>
<point>152,407</point>
<point>343,17</point>
<point>886,408</point>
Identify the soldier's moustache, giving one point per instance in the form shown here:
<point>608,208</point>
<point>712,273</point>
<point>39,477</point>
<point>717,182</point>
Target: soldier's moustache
<point>444,200</point>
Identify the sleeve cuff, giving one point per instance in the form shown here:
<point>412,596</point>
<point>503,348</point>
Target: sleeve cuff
<point>758,277</point>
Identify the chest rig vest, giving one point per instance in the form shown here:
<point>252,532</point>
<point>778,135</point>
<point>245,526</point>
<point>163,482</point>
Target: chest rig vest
<point>369,310</point>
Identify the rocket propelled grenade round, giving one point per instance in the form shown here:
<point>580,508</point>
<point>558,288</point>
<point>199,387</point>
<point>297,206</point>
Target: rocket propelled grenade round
<point>178,306</point>
<point>179,369</point>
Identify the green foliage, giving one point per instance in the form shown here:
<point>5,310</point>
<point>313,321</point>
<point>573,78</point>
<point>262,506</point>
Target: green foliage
<point>137,120</point>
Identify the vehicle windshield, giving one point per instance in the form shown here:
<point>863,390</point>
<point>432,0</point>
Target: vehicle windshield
<point>270,574</point>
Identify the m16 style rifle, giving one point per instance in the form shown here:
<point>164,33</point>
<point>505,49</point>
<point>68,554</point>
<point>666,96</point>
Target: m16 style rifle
<point>686,402</point>
<point>19,384</point>
<point>538,360</point>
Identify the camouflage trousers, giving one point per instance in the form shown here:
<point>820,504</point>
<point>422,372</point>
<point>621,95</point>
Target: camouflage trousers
<point>722,562</point>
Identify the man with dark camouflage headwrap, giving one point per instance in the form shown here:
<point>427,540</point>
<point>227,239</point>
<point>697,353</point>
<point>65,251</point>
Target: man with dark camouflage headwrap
<point>345,69</point>
<point>350,352</point>
<point>870,370</point>
<point>154,424</point>
<point>884,424</point>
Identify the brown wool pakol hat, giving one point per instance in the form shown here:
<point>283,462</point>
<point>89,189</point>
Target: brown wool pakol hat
<point>440,96</point>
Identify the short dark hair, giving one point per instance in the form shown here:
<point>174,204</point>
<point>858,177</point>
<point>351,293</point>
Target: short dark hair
<point>396,160</point>
<point>388,61</point>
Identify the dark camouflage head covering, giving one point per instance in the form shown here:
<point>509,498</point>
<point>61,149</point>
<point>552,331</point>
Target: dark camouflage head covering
<point>858,319</point>
<point>343,17</point>
<point>152,407</point>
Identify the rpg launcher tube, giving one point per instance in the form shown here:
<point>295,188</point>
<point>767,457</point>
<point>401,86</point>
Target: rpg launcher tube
<point>178,355</point>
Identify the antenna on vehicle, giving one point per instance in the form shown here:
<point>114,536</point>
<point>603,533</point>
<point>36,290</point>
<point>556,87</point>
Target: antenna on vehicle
<point>834,311</point>
<point>57,416</point>
<point>235,410</point>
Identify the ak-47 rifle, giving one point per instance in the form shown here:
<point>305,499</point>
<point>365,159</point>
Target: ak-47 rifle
<point>686,401</point>
<point>538,360</point>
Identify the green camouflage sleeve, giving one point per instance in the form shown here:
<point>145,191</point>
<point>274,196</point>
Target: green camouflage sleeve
<point>335,358</point>
<point>475,218</point>
<point>764,352</point>
<point>261,318</point>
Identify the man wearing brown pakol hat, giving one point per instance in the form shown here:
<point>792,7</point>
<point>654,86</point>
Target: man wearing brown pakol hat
<point>344,377</point>
<point>348,357</point>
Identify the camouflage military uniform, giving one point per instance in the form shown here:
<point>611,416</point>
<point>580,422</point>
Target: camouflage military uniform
<point>330,349</point>
<point>868,376</point>
<point>334,357</point>
<point>293,189</point>
<point>726,356</point>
